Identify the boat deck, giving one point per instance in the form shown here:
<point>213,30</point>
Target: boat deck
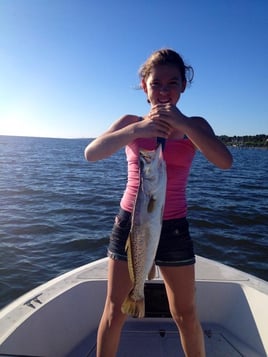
<point>154,336</point>
<point>161,340</point>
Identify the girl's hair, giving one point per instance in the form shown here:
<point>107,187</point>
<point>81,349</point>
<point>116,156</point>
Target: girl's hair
<point>167,56</point>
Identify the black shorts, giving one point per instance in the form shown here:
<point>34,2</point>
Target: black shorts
<point>175,247</point>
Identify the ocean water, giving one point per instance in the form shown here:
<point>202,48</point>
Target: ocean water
<point>57,210</point>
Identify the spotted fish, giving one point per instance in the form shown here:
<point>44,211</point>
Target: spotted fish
<point>146,227</point>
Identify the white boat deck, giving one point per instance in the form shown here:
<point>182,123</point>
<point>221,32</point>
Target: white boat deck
<point>161,339</point>
<point>57,318</point>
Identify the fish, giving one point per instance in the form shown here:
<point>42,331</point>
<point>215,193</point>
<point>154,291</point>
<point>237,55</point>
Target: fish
<point>146,224</point>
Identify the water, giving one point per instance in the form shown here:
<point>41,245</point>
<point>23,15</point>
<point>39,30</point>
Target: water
<point>57,210</point>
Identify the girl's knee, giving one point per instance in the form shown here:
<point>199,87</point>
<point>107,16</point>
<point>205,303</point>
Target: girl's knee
<point>186,317</point>
<point>113,314</point>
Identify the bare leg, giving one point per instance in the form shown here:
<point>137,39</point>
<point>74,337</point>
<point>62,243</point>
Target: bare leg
<point>119,285</point>
<point>180,286</point>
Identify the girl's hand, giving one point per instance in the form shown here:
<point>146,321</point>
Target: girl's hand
<point>153,126</point>
<point>168,114</point>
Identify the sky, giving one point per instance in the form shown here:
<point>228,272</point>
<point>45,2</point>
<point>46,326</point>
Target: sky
<point>69,68</point>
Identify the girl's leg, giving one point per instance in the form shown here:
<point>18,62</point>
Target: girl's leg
<point>180,286</point>
<point>119,285</point>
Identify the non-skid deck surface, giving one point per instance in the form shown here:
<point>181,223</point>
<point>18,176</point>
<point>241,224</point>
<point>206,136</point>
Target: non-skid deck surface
<point>145,340</point>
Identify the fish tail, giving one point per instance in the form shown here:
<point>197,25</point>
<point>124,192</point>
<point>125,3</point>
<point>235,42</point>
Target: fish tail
<point>133,308</point>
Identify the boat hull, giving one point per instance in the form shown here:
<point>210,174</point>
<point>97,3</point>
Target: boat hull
<point>60,318</point>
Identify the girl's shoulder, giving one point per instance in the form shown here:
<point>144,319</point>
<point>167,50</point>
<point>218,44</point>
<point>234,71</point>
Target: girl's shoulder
<point>127,120</point>
<point>202,123</point>
<point>131,118</point>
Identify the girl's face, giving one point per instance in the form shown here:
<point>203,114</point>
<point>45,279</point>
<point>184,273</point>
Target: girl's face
<point>163,85</point>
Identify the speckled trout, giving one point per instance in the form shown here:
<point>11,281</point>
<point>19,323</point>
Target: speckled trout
<point>146,227</point>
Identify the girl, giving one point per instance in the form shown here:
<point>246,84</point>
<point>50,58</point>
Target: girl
<point>164,77</point>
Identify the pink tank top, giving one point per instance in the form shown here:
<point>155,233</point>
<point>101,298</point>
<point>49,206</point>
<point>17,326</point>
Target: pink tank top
<point>178,155</point>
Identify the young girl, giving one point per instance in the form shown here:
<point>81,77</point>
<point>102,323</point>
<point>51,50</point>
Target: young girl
<point>164,77</point>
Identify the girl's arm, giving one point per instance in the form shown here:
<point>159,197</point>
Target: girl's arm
<point>197,130</point>
<point>117,136</point>
<point>122,132</point>
<point>202,135</point>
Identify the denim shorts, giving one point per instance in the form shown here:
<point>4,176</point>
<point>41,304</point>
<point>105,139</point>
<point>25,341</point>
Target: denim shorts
<point>175,247</point>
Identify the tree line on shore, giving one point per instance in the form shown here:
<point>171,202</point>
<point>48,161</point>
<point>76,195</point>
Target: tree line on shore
<point>260,141</point>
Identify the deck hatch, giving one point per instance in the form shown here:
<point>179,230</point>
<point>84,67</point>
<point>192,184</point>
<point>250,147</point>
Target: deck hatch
<point>156,302</point>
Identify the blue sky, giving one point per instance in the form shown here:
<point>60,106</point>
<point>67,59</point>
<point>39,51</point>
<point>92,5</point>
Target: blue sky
<point>68,68</point>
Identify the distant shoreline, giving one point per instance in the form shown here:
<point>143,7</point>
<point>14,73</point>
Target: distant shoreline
<point>250,141</point>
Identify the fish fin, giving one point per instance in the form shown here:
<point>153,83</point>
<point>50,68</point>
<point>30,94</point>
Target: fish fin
<point>129,259</point>
<point>151,204</point>
<point>133,308</point>
<point>152,272</point>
